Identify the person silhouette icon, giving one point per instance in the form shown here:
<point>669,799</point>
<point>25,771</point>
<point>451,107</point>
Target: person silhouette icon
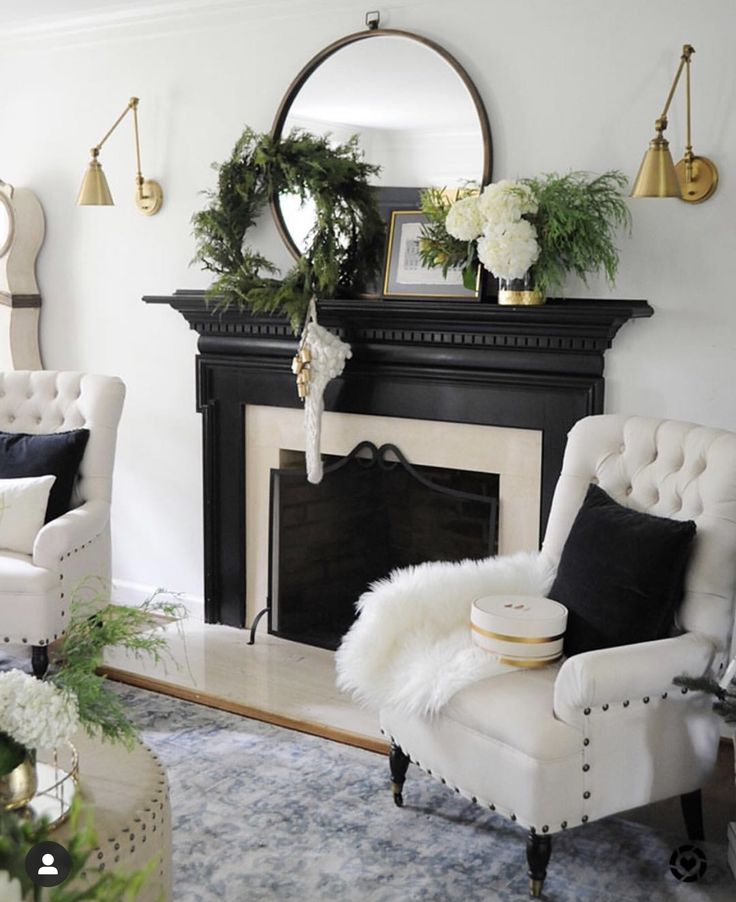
<point>48,861</point>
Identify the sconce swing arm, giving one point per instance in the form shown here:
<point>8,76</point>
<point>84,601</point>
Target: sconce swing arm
<point>661,124</point>
<point>94,191</point>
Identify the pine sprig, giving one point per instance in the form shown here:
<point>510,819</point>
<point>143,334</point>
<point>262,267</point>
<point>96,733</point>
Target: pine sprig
<point>725,699</point>
<point>577,225</point>
<point>75,667</point>
<point>436,246</point>
<point>345,243</point>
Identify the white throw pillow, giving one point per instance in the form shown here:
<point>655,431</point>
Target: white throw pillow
<point>22,510</point>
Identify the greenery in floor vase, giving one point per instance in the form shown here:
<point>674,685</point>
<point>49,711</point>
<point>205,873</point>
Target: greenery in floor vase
<point>345,244</point>
<point>544,228</point>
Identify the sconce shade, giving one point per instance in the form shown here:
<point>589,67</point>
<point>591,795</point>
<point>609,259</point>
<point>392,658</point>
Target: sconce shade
<point>94,190</point>
<point>657,176</point>
<point>694,179</point>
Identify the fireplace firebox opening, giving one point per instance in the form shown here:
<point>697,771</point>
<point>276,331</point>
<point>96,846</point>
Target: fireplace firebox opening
<point>373,512</point>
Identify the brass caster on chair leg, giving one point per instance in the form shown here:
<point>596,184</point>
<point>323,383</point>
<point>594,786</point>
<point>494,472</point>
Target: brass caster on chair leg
<point>399,764</point>
<point>538,850</point>
<point>535,888</point>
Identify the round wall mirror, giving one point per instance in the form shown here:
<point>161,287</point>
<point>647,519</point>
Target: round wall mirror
<point>414,109</point>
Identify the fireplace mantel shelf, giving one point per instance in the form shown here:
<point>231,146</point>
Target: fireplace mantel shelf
<point>537,368</point>
<point>584,328</point>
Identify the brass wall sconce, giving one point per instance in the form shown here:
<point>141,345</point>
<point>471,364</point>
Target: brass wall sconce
<point>95,191</point>
<point>693,179</point>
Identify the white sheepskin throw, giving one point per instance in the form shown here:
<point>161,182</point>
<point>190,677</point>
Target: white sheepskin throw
<point>410,647</point>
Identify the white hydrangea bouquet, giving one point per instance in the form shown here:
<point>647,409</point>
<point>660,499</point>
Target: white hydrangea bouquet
<point>33,714</point>
<point>530,233</point>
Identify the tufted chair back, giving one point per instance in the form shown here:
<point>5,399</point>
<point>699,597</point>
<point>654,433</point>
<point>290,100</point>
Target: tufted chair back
<point>670,469</point>
<point>44,401</point>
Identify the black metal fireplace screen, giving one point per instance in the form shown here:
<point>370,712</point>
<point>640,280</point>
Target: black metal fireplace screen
<point>372,512</point>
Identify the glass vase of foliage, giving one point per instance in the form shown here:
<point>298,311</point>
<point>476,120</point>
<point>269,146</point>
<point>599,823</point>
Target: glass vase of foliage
<point>530,233</point>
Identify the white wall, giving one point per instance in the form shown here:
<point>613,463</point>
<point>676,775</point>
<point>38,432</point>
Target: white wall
<point>567,84</point>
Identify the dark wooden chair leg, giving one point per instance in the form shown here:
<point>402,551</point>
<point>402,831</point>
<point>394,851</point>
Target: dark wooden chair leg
<point>39,660</point>
<point>399,764</point>
<point>692,812</point>
<point>538,850</point>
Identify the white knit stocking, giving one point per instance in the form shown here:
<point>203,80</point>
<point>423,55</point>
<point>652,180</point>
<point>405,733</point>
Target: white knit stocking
<point>329,354</point>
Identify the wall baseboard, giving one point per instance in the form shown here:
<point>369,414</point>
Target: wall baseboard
<point>129,593</point>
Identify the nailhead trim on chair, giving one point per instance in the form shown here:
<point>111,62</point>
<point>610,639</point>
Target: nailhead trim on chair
<point>474,799</point>
<point>47,641</point>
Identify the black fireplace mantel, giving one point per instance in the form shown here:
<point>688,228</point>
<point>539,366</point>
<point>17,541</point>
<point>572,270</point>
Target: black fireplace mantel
<point>527,367</point>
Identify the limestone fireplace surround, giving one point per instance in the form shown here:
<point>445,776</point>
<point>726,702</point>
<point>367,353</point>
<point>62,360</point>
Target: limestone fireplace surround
<point>515,455</point>
<point>529,373</point>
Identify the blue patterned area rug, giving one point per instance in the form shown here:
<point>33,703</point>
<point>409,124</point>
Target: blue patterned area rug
<point>264,813</point>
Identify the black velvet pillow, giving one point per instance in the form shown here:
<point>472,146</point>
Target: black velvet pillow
<point>56,454</point>
<point>621,574</point>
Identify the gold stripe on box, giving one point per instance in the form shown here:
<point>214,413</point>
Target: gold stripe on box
<point>524,640</point>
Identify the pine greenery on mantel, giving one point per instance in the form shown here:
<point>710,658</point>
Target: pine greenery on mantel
<point>345,244</point>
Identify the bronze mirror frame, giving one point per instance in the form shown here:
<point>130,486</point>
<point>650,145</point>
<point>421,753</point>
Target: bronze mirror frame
<point>326,53</point>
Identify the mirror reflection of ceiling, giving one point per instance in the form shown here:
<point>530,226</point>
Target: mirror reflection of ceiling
<point>411,110</point>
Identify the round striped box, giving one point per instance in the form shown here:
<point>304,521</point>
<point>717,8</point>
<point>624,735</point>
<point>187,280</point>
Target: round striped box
<point>523,630</point>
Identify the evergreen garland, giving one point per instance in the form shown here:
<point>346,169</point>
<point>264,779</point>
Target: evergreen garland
<point>345,244</point>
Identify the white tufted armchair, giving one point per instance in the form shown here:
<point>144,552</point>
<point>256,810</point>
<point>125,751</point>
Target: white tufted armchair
<point>606,731</point>
<point>35,589</point>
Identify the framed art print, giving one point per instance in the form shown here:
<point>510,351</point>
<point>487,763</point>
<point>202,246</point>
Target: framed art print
<point>405,276</point>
